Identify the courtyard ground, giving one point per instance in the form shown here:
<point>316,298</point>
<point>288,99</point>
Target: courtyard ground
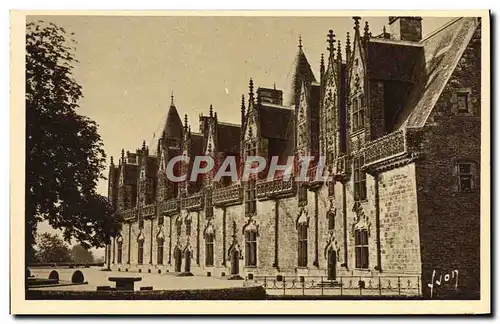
<point>168,281</point>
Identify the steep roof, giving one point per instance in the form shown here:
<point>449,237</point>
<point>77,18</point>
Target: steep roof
<point>392,60</point>
<point>173,124</point>
<point>275,121</point>
<point>228,138</point>
<point>196,144</point>
<point>301,70</point>
<point>152,166</point>
<point>443,50</point>
<point>131,173</point>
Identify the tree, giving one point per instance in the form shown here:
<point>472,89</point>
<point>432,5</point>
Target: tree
<point>51,248</point>
<point>64,152</point>
<point>79,254</point>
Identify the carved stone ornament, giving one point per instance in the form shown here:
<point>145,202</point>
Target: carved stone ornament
<point>361,221</point>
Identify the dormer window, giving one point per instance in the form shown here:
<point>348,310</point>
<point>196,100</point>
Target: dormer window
<point>358,113</point>
<point>463,102</point>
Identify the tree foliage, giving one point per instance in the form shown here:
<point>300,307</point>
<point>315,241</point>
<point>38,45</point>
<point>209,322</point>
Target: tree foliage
<point>50,248</point>
<point>79,254</point>
<point>64,152</point>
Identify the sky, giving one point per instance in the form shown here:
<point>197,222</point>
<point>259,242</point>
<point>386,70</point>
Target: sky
<point>129,66</point>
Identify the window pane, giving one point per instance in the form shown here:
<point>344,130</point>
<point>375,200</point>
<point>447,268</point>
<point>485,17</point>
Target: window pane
<point>462,102</point>
<point>464,168</point>
<point>465,183</point>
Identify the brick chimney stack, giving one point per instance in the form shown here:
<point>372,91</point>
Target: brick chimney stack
<point>406,28</point>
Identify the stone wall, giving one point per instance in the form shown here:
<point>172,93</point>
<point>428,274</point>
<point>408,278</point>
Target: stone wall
<point>450,219</point>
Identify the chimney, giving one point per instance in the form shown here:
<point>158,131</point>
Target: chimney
<point>406,28</point>
<point>272,96</point>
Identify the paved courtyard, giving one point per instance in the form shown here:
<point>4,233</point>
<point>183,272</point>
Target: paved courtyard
<point>95,277</point>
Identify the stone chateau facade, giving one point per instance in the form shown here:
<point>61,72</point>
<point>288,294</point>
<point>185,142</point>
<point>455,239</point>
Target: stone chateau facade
<point>397,118</point>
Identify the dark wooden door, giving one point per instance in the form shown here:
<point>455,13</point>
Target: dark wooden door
<point>235,262</point>
<point>332,265</point>
<point>187,262</point>
<point>178,260</point>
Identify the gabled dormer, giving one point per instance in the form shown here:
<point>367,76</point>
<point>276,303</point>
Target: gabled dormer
<point>357,94</point>
<point>333,110</point>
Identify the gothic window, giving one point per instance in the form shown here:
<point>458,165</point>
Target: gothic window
<point>209,209</point>
<point>251,248</point>
<point>361,248</point>
<point>159,256</point>
<point>302,246</point>
<point>188,227</point>
<point>178,227</point>
<point>465,179</point>
<point>331,188</point>
<point>250,193</point>
<point>119,249</point>
<point>250,199</point>
<point>140,251</point>
<point>358,113</point>
<point>331,219</point>
<point>359,179</point>
<point>302,195</point>
<point>209,249</point>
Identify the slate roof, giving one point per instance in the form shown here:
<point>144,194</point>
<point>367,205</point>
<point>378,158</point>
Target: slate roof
<point>197,144</point>
<point>228,138</point>
<point>395,61</point>
<point>152,166</point>
<point>443,50</point>
<point>131,173</point>
<point>173,124</point>
<point>301,69</point>
<point>275,121</point>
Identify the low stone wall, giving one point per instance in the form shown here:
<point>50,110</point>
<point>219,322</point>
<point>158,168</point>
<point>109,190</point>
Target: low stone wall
<point>247,293</point>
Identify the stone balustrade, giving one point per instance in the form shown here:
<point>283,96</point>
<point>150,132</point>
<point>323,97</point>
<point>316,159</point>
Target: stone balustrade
<point>227,195</point>
<point>129,214</point>
<point>148,211</point>
<point>193,202</point>
<point>276,188</point>
<point>388,146</point>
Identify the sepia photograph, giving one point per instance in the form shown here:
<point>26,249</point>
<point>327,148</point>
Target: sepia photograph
<point>333,158</point>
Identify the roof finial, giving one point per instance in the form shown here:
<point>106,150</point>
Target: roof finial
<point>172,99</point>
<point>185,121</point>
<point>250,94</point>
<point>367,30</point>
<point>189,130</point>
<point>211,114</point>
<point>322,65</point>
<point>111,162</point>
<point>274,85</point>
<point>331,41</point>
<point>384,30</point>
<point>143,144</point>
<point>347,47</point>
<point>242,110</point>
<point>300,41</point>
<point>339,52</point>
<point>123,155</point>
<point>356,23</point>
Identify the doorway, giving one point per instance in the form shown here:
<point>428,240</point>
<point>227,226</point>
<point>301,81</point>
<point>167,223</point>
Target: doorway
<point>332,265</point>
<point>178,259</point>
<point>235,262</point>
<point>187,262</point>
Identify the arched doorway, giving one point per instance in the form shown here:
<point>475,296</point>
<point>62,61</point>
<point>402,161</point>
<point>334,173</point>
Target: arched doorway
<point>187,261</point>
<point>178,259</point>
<point>332,264</point>
<point>235,262</point>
